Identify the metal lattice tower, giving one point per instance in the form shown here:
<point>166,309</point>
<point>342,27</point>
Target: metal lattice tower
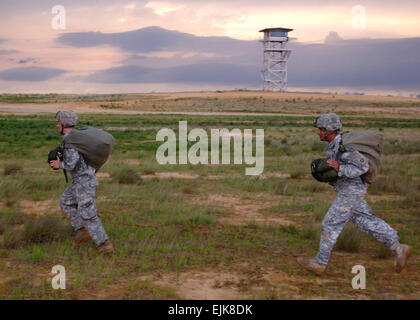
<point>274,72</point>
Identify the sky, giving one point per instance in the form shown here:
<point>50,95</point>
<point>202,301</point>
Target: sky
<point>186,45</point>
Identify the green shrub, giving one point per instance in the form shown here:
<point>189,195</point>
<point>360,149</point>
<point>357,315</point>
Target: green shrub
<point>126,176</point>
<point>8,216</point>
<point>311,232</point>
<point>11,239</point>
<point>2,227</point>
<point>297,174</point>
<point>383,252</point>
<point>12,168</point>
<point>350,239</point>
<point>45,229</point>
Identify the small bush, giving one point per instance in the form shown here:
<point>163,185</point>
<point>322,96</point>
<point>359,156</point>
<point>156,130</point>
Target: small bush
<point>350,239</point>
<point>126,176</point>
<point>311,232</point>
<point>9,217</point>
<point>201,219</point>
<point>297,174</point>
<point>11,239</point>
<point>2,227</point>
<point>383,252</point>
<point>149,172</point>
<point>188,190</point>
<point>10,169</point>
<point>45,229</point>
<point>290,229</point>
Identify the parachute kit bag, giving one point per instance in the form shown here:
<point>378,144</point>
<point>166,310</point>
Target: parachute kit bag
<point>94,144</point>
<point>370,144</point>
<point>322,171</point>
<point>58,153</point>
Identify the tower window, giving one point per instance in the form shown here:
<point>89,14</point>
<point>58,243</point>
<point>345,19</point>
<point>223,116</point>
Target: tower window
<point>278,34</point>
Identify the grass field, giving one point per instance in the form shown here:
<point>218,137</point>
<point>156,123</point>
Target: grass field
<point>204,231</point>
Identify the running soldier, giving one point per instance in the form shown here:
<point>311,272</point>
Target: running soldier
<point>349,203</point>
<point>78,200</point>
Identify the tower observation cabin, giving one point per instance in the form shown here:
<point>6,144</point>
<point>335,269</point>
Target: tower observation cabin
<point>274,71</point>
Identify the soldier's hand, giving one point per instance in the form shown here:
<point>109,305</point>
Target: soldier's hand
<point>55,164</point>
<point>333,164</point>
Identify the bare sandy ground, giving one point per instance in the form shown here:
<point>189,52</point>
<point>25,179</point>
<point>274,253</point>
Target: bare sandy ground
<point>35,109</point>
<point>215,103</point>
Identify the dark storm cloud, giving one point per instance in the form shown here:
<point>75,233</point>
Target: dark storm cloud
<point>30,74</point>
<point>152,39</point>
<point>195,73</point>
<point>356,62</point>
<point>336,62</point>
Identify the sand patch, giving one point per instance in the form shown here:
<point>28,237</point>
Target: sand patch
<point>103,175</point>
<point>203,285</point>
<point>168,175</point>
<point>242,212</point>
<point>383,197</point>
<point>133,162</point>
<point>280,175</point>
<point>37,208</point>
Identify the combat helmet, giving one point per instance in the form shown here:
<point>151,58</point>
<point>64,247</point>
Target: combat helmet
<point>329,121</point>
<point>68,118</point>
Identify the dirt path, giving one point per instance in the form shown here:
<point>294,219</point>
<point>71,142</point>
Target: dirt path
<point>35,109</point>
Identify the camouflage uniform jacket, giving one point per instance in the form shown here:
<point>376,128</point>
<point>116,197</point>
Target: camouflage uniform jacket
<point>352,165</point>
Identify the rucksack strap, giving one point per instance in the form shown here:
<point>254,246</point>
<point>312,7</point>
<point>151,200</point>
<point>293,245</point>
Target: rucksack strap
<point>62,146</point>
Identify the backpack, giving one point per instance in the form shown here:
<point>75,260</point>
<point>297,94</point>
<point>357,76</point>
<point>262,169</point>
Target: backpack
<point>94,144</point>
<point>370,144</point>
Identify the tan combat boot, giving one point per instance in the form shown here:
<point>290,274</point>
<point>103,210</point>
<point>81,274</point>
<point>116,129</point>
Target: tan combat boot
<point>403,252</point>
<point>82,236</point>
<point>312,265</point>
<point>106,247</point>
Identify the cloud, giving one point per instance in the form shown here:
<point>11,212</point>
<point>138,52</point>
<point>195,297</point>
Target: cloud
<point>30,74</point>
<point>337,62</point>
<point>153,39</point>
<point>218,73</point>
<point>4,52</point>
<point>332,37</point>
<point>156,55</point>
<point>364,62</point>
<point>161,8</point>
<point>27,60</point>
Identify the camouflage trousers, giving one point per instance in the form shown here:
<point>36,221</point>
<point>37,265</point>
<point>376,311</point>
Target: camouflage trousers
<point>78,202</point>
<point>352,207</point>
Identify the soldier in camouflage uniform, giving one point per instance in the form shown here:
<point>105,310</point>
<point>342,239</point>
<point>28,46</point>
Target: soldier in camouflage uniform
<point>78,200</point>
<point>349,203</point>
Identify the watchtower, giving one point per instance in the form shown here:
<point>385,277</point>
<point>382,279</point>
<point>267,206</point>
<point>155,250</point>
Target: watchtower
<point>274,72</point>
